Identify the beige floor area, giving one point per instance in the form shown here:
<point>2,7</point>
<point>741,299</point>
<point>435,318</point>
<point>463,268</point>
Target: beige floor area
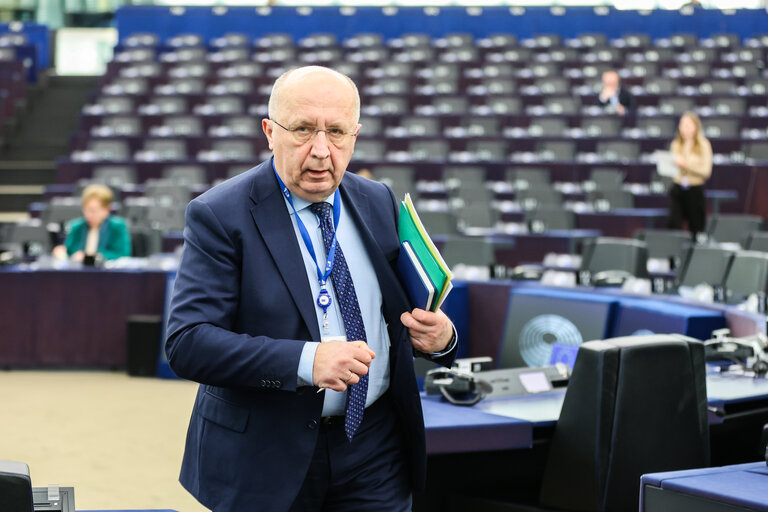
<point>117,439</point>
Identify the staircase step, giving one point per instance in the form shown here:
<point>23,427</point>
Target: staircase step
<point>27,172</point>
<point>41,136</point>
<point>17,198</point>
<point>13,217</point>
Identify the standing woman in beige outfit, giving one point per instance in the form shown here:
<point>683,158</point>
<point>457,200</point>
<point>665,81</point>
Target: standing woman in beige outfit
<point>693,157</point>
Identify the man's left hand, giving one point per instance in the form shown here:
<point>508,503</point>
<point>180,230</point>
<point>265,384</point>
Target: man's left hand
<point>430,332</point>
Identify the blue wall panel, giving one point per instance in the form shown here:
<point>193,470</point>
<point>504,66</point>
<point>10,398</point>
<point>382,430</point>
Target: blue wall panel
<point>535,20</point>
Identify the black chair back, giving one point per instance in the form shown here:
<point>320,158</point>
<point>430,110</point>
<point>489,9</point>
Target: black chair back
<point>634,405</point>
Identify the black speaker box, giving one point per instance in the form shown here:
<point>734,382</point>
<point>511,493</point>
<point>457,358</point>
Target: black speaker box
<point>15,487</point>
<point>143,333</point>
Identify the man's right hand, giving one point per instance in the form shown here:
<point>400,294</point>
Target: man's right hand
<point>607,93</point>
<point>341,363</point>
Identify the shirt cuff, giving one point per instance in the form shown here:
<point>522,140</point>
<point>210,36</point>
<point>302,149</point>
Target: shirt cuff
<point>451,345</point>
<point>307,363</point>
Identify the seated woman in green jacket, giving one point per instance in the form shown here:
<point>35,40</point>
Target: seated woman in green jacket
<point>96,232</point>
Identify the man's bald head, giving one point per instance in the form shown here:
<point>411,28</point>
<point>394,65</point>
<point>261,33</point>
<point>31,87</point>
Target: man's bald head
<point>296,76</point>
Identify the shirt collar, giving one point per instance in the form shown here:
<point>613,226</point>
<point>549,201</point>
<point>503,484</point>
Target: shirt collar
<point>298,202</point>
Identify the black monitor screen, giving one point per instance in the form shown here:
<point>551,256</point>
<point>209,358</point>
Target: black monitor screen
<point>539,318</point>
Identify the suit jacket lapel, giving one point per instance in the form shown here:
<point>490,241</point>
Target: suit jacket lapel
<point>358,205</point>
<point>274,223</point>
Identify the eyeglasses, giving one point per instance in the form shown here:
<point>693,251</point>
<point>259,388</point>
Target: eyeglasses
<point>304,134</point>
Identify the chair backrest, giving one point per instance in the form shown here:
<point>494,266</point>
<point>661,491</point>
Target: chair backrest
<point>675,105</point>
<point>417,126</point>
<point>243,126</point>
<point>549,218</point>
<point>665,243</point>
<point>504,105</point>
<point>166,149</point>
<point>464,174</point>
<point>372,126</point>
<point>134,210</point>
<point>370,149</point>
<point>607,178</point>
<point>563,105</point>
<point>429,149</point>
<point>32,236</point>
<point>557,150</point>
<point>474,193</point>
<point>606,126</point>
<point>548,126</point>
<point>539,196</point>
<point>145,241</point>
<point>488,150</point>
<point>114,175</point>
<point>439,223</point>
<point>758,241</point>
<point>757,150</point>
<point>625,150</point>
<point>634,405</point>
<point>724,127</point>
<point>732,228</point>
<point>166,217</point>
<point>468,251</point>
<point>394,175</point>
<point>233,149</point>
<point>614,197</point>
<point>481,126</point>
<point>734,106</point>
<point>704,265</point>
<point>531,176</point>
<point>748,274</point>
<point>109,149</point>
<point>185,174</point>
<point>624,254</point>
<point>184,125</point>
<point>478,216</point>
<point>663,127</point>
<point>167,192</point>
<point>121,125</point>
<point>62,210</point>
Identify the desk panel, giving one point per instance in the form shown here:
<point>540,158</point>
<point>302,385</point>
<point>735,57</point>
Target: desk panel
<point>508,423</point>
<point>456,429</point>
<point>729,488</point>
<point>73,317</point>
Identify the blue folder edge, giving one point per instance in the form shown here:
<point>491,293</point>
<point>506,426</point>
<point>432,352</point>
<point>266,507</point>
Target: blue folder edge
<point>421,290</point>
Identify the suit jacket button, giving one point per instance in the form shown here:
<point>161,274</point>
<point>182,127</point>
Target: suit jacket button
<point>277,383</point>
<point>262,383</point>
<point>312,424</point>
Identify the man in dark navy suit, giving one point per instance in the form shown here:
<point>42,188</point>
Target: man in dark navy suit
<point>288,311</point>
<point>615,96</point>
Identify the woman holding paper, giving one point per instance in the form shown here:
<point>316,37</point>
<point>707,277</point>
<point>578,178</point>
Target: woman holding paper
<point>693,157</point>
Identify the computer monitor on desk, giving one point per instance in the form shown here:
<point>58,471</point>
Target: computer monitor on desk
<point>537,318</point>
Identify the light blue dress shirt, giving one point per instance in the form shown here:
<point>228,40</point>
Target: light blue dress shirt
<point>368,296</point>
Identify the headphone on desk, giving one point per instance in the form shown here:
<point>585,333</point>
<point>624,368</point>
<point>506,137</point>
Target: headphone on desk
<point>749,353</point>
<point>456,386</point>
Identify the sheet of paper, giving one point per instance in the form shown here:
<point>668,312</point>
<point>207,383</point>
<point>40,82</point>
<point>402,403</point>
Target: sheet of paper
<point>665,164</point>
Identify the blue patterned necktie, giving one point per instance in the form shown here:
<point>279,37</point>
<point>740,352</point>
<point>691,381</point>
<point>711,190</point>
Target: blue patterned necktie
<point>350,313</point>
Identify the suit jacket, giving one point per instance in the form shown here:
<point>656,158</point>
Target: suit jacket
<point>241,311</point>
<point>625,98</point>
<point>114,239</point>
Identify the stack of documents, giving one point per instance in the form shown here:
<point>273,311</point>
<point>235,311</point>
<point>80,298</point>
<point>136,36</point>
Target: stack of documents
<point>423,271</point>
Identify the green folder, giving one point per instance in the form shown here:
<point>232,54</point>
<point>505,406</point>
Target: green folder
<point>411,229</point>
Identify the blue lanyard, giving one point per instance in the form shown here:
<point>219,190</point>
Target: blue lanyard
<point>324,299</point>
